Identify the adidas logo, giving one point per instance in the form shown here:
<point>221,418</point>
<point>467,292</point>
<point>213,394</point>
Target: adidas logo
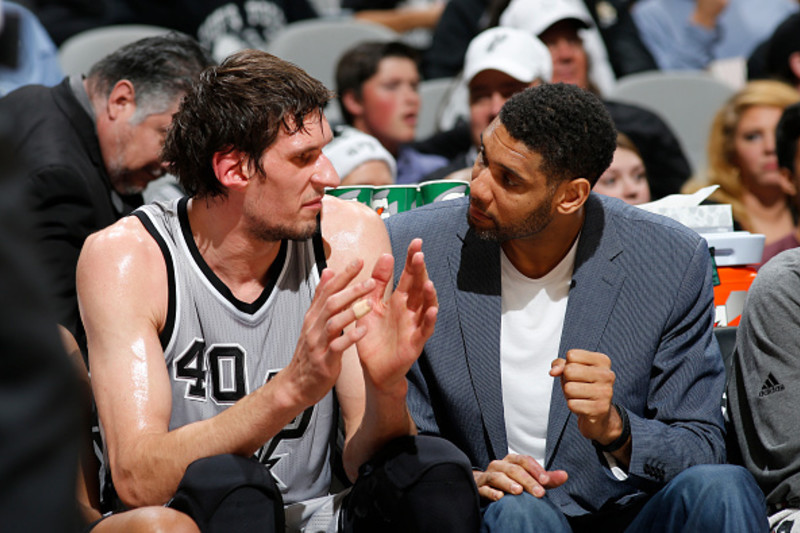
<point>770,385</point>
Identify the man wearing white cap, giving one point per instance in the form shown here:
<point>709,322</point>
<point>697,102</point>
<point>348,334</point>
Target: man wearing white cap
<point>499,63</point>
<point>566,27</point>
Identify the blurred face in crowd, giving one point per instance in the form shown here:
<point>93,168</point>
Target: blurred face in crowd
<point>570,63</point>
<point>625,179</point>
<point>488,91</point>
<point>754,147</point>
<point>389,103</point>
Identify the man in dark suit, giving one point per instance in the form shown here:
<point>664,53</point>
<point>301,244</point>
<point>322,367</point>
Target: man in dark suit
<point>91,145</point>
<point>538,279</point>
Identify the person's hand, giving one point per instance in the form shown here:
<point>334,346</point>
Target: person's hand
<point>397,328</point>
<point>587,382</point>
<point>516,473</point>
<point>317,359</point>
<point>706,12</point>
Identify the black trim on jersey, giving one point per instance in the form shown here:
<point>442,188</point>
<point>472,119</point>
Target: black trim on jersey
<point>272,274</point>
<point>169,324</point>
<point>319,248</point>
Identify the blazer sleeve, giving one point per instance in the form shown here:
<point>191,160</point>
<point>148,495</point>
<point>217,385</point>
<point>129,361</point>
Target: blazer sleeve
<point>682,424</point>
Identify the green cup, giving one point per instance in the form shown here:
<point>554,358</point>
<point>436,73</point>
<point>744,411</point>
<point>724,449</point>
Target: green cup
<point>440,190</point>
<point>358,193</point>
<point>393,199</point>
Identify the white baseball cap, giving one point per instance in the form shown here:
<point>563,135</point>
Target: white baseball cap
<point>511,51</point>
<point>535,16</point>
<point>351,147</point>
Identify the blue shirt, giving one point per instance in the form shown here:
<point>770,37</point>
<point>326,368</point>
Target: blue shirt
<point>677,43</point>
<point>413,165</point>
<point>37,61</point>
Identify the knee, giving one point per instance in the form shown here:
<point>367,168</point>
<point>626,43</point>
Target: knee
<point>729,485</point>
<point>161,520</point>
<point>523,512</point>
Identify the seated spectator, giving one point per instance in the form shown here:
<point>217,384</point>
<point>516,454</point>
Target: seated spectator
<point>574,361</point>
<point>359,159</point>
<point>626,177</point>
<point>567,28</point>
<point>689,34</point>
<point>33,56</point>
<point>500,62</point>
<point>778,57</point>
<point>787,146</point>
<point>90,146</point>
<point>743,161</point>
<point>377,86</point>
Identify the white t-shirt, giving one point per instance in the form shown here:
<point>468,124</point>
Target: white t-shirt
<point>532,319</point>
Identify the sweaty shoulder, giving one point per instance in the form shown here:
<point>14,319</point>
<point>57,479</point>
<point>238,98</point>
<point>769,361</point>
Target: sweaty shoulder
<point>124,265</point>
<point>351,230</point>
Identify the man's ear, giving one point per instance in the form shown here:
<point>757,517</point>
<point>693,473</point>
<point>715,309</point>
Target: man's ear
<point>352,104</point>
<point>571,195</point>
<point>231,168</point>
<point>121,100</point>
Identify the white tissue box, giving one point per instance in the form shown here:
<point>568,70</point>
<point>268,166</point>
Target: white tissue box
<point>736,248</point>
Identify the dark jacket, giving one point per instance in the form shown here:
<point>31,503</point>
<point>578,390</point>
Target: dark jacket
<point>68,190</point>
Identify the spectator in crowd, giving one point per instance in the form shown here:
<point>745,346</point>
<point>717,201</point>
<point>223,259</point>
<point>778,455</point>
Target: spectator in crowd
<point>34,58</point>
<point>689,34</point>
<point>566,27</point>
<point>377,83</point>
<point>779,56</point>
<point>90,146</point>
<point>761,387</point>
<point>242,318</point>
<point>500,62</point>
<point>538,278</point>
<point>359,159</point>
<point>626,177</point>
<point>743,161</point>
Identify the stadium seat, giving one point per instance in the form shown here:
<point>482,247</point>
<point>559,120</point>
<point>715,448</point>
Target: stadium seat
<point>78,53</point>
<point>685,100</point>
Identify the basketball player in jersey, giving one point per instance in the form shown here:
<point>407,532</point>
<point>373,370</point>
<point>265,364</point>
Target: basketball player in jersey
<point>237,319</point>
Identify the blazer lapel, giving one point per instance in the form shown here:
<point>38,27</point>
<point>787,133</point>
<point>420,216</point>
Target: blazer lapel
<point>475,267</point>
<point>596,283</point>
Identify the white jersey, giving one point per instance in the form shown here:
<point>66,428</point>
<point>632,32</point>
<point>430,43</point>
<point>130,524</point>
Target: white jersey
<point>218,349</point>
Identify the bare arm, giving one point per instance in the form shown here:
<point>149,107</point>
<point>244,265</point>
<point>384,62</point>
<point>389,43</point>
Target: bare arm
<point>404,19</point>
<point>123,297</point>
<point>372,387</point>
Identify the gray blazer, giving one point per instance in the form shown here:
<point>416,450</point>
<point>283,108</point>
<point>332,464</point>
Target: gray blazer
<point>641,293</point>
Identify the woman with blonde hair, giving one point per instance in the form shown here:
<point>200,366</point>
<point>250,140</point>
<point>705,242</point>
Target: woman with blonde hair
<point>743,161</point>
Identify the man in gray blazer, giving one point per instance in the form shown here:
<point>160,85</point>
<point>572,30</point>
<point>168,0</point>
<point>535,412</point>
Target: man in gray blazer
<point>538,278</point>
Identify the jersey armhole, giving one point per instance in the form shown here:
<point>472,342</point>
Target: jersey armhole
<point>169,324</point>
